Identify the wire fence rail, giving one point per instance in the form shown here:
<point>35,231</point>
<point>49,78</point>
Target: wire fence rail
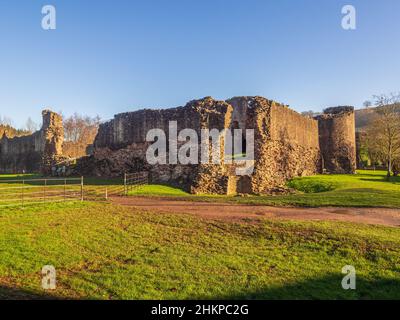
<point>23,192</point>
<point>132,180</point>
<point>33,191</point>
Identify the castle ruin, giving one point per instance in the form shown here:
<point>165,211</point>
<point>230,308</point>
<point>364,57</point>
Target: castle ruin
<point>34,153</point>
<point>286,145</point>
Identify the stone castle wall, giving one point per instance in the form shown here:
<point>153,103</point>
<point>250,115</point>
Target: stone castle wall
<point>338,140</point>
<point>286,145</point>
<point>36,152</point>
<point>291,149</point>
<point>132,127</point>
<point>120,145</point>
<point>21,153</point>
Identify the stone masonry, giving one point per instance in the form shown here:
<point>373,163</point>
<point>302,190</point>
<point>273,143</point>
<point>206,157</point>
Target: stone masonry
<point>120,146</point>
<point>338,140</point>
<point>34,153</point>
<point>287,145</point>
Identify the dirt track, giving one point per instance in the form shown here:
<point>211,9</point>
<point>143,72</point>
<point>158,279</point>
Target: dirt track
<point>379,216</point>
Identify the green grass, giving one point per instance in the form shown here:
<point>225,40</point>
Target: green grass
<point>364,189</point>
<point>103,251</point>
<point>158,190</point>
<point>18,176</point>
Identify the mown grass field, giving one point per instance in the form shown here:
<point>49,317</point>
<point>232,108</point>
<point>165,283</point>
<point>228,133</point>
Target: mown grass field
<point>106,251</point>
<point>103,251</point>
<point>364,189</point>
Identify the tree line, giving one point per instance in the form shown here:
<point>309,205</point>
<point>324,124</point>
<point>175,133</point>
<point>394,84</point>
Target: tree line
<point>380,141</point>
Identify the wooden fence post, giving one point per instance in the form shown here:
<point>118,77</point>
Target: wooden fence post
<point>23,186</point>
<point>44,190</point>
<point>125,185</point>
<point>82,188</point>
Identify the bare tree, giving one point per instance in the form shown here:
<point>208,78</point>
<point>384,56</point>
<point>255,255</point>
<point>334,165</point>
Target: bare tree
<point>384,131</point>
<point>310,114</point>
<point>5,121</point>
<point>31,126</point>
<point>78,128</point>
<point>367,104</point>
<point>80,132</point>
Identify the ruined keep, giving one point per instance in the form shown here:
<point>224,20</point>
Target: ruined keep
<point>120,145</point>
<point>338,140</point>
<point>287,144</point>
<point>34,153</point>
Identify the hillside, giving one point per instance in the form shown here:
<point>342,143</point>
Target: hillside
<point>364,116</point>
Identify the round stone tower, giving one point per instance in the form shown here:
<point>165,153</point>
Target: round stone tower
<point>337,139</point>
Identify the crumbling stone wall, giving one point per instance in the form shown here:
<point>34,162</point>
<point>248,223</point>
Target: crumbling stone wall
<point>337,139</point>
<point>36,152</point>
<point>21,154</point>
<point>286,143</point>
<point>53,136</point>
<point>120,146</point>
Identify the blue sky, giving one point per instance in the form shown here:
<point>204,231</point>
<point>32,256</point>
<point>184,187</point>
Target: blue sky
<point>107,57</point>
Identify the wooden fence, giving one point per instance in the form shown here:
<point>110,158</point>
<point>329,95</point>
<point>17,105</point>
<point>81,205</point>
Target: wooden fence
<point>22,192</point>
<point>132,180</point>
<point>33,191</point>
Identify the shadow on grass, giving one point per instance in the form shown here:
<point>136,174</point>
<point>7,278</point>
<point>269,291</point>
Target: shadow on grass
<point>325,288</point>
<point>9,293</point>
<point>365,191</point>
<point>394,180</point>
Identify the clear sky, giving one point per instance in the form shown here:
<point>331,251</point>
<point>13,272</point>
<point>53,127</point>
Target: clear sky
<point>107,57</point>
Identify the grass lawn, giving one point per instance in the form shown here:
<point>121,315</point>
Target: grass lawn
<point>364,189</point>
<point>159,190</point>
<point>104,251</point>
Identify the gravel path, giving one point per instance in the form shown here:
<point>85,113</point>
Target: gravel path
<point>378,216</point>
